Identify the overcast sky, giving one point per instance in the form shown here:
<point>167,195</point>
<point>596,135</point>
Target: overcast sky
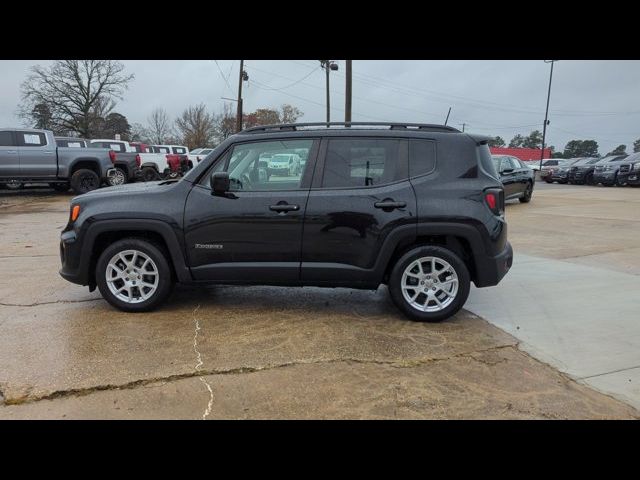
<point>597,100</point>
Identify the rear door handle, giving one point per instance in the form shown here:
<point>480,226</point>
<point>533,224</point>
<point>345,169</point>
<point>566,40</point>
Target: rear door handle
<point>389,204</point>
<point>283,207</point>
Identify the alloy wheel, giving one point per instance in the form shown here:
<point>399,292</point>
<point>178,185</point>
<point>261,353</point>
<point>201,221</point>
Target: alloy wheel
<point>429,284</point>
<point>132,276</point>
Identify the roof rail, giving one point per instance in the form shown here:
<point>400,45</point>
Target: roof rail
<point>292,127</point>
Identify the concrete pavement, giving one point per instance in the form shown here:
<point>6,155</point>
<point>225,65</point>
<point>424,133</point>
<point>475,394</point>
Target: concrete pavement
<point>574,302</point>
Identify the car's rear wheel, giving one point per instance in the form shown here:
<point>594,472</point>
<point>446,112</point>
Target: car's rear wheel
<point>149,174</point>
<point>528,192</point>
<point>619,182</point>
<point>134,275</point>
<point>14,185</point>
<point>588,179</point>
<point>84,180</point>
<point>429,284</point>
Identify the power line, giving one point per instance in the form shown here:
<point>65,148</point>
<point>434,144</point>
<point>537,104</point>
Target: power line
<point>292,84</point>
<point>223,77</point>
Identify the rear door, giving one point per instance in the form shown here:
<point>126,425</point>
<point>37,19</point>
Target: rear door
<point>254,233</point>
<point>9,157</point>
<point>360,193</point>
<point>38,157</point>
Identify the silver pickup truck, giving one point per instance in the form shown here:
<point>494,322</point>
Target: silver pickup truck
<point>32,156</point>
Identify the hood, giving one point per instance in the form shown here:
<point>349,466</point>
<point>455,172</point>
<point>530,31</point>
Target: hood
<point>129,189</point>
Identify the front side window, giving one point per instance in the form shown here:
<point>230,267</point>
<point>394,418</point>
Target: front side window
<point>6,139</point>
<point>259,166</point>
<point>355,162</point>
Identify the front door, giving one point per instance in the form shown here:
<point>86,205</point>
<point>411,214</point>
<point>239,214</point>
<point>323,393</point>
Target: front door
<point>254,233</point>
<point>360,193</point>
<point>37,157</point>
<point>509,177</point>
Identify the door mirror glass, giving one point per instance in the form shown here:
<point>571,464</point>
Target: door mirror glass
<point>219,182</point>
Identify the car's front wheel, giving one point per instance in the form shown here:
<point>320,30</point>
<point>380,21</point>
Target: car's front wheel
<point>429,284</point>
<point>134,275</point>
<point>528,192</point>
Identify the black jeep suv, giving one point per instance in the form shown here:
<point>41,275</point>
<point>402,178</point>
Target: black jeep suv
<point>417,207</point>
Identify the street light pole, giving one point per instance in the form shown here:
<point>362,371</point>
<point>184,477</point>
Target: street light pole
<point>546,113</point>
<point>328,65</point>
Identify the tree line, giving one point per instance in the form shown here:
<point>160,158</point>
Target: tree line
<point>573,149</point>
<point>78,98</point>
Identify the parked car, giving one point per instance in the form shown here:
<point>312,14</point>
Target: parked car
<point>581,172</point>
<point>283,164</point>
<point>177,156</point>
<point>518,179</point>
<point>126,160</point>
<point>629,172</point>
<point>559,171</point>
<point>198,154</point>
<point>425,227</point>
<point>606,170</point>
<point>73,142</point>
<point>32,156</point>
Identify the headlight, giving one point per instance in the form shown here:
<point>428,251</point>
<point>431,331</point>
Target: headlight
<point>608,168</point>
<point>636,166</point>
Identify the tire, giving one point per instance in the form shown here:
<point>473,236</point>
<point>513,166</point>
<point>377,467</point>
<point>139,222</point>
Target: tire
<point>60,187</point>
<point>528,192</point>
<point>84,180</point>
<point>138,251</point>
<point>588,178</point>
<point>149,174</point>
<point>120,178</point>
<point>618,182</point>
<point>548,180</point>
<point>404,264</point>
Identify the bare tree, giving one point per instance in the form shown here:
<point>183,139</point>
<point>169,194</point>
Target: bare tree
<point>225,124</point>
<point>289,113</point>
<point>72,90</point>
<point>158,126</point>
<point>139,133</point>
<point>196,127</point>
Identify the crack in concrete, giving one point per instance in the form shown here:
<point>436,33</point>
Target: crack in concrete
<point>27,256</point>
<point>78,392</point>
<point>199,364</point>
<point>36,304</point>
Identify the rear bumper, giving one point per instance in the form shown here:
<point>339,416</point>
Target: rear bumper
<point>490,270</point>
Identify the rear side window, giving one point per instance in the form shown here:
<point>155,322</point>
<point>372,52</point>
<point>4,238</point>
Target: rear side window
<point>7,139</point>
<point>180,150</point>
<point>422,157</point>
<point>31,139</point>
<point>355,162</point>
<point>116,147</point>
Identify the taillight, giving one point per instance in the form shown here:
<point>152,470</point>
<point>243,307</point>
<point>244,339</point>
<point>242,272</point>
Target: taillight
<point>138,160</point>
<point>494,199</point>
<point>112,156</point>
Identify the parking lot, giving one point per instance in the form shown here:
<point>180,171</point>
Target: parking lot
<point>558,338</point>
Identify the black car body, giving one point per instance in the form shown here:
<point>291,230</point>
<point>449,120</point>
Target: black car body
<point>516,176</point>
<point>369,201</point>
<point>559,172</point>
<point>581,172</point>
<point>606,170</point>
<point>629,171</point>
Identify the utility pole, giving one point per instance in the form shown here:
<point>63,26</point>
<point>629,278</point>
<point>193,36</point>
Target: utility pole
<point>546,113</point>
<point>347,92</point>
<point>328,65</point>
<point>242,76</point>
<point>463,125</point>
<point>447,119</point>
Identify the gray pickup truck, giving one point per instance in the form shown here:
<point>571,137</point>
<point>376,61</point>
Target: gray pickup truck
<point>33,156</point>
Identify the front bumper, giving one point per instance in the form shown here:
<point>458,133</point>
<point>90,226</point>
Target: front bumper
<point>490,270</point>
<point>605,177</point>
<point>70,255</point>
<point>631,178</point>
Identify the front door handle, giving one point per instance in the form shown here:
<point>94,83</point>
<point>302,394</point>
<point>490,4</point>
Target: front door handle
<point>283,208</point>
<point>389,204</point>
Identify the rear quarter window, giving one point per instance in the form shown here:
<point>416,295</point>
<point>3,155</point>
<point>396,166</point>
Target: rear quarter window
<point>31,139</point>
<point>422,157</point>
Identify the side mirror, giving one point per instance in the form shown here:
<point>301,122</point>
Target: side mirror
<point>219,183</point>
